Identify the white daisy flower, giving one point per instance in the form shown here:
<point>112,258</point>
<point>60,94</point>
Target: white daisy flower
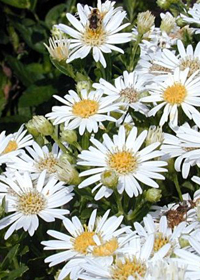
<point>166,270</point>
<point>127,89</point>
<point>37,159</point>
<point>123,158</point>
<point>185,146</point>
<point>186,58</point>
<point>190,260</point>
<point>97,30</point>
<point>176,91</point>
<point>194,14</point>
<point>13,144</point>
<point>58,48</point>
<point>28,200</point>
<point>85,111</point>
<point>129,266</point>
<point>100,238</point>
<point>165,239</point>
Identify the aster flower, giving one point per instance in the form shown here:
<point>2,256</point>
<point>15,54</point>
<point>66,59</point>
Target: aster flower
<point>185,146</point>
<point>129,266</point>
<point>58,48</point>
<point>165,238</point>
<point>194,14</point>
<point>101,37</point>
<point>127,89</point>
<point>191,260</point>
<point>122,156</point>
<point>13,144</point>
<point>186,58</point>
<point>176,91</point>
<point>100,238</point>
<point>84,112</point>
<point>28,200</point>
<point>37,159</point>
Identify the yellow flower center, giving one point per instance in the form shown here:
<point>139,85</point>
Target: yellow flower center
<point>122,162</point>
<point>83,241</point>
<point>192,63</point>
<point>94,37</point>
<point>129,94</point>
<point>160,241</point>
<point>175,94</point>
<point>133,268</point>
<point>31,203</point>
<point>106,249</point>
<point>85,108</point>
<point>12,146</point>
<point>48,163</point>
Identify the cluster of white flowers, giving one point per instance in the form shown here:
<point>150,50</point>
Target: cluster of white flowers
<point>101,145</point>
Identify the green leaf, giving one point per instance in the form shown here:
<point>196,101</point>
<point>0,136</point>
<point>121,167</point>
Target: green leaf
<point>54,14</point>
<point>20,71</point>
<point>34,34</point>
<point>35,95</point>
<point>64,68</point>
<point>14,119</point>
<point>21,4</point>
<point>9,257</point>
<point>17,272</point>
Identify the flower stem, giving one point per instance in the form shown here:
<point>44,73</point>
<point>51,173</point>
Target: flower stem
<point>58,142</point>
<point>119,203</point>
<point>175,179</point>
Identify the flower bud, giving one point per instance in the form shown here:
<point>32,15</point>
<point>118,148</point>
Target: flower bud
<point>83,85</point>
<point>109,179</point>
<point>67,173</point>
<point>155,134</point>
<point>164,4</point>
<point>69,158</point>
<point>153,195</point>
<point>69,136</point>
<point>168,23</point>
<point>32,129</point>
<point>183,242</point>
<point>43,125</point>
<point>145,21</point>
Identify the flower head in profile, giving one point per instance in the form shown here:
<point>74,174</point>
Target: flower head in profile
<point>13,144</point>
<point>84,111</point>
<point>123,156</point>
<point>175,92</point>
<point>26,200</point>
<point>194,14</point>
<point>96,31</point>
<point>58,48</point>
<point>100,238</point>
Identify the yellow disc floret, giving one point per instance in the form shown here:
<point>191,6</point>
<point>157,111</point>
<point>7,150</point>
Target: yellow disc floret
<point>123,270</point>
<point>48,163</point>
<point>175,94</point>
<point>122,162</point>
<point>12,146</point>
<point>94,37</point>
<point>31,203</point>
<point>160,241</point>
<point>83,241</point>
<point>85,108</point>
<point>107,249</point>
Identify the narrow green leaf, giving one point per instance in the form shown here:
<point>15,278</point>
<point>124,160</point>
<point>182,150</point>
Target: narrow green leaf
<point>15,274</point>
<point>21,4</point>
<point>9,257</point>
<point>35,95</point>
